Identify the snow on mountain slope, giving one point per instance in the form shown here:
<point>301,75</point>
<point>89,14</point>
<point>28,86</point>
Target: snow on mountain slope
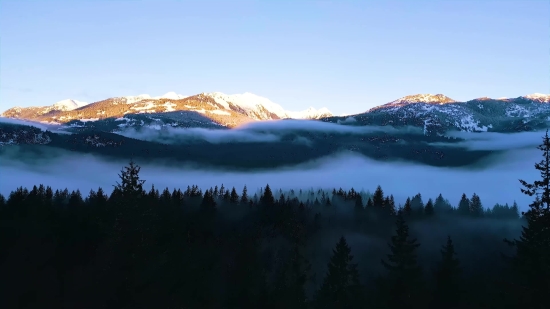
<point>171,95</point>
<point>310,113</point>
<point>261,108</point>
<point>68,105</point>
<point>539,97</point>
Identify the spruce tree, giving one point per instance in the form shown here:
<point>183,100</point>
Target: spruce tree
<point>378,197</point>
<point>341,286</point>
<point>476,208</point>
<point>404,283</point>
<point>244,196</point>
<point>407,209</point>
<point>267,198</point>
<point>447,292</point>
<point>429,209</point>
<point>234,197</point>
<point>531,262</point>
<point>464,205</point>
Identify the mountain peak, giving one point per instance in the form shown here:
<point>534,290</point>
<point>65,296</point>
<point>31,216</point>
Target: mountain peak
<point>539,97</point>
<point>68,105</point>
<point>424,98</point>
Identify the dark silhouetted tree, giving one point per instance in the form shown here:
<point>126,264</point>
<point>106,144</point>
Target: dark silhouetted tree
<point>476,208</point>
<point>429,209</point>
<point>404,284</point>
<point>448,289</point>
<point>531,262</point>
<point>464,205</point>
<point>341,287</point>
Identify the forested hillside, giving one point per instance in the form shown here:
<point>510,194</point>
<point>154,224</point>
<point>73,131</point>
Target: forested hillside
<point>223,248</point>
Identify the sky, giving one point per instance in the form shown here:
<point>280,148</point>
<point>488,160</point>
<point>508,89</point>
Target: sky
<point>347,56</point>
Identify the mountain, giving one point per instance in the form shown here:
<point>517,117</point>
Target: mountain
<point>436,114</point>
<point>216,108</point>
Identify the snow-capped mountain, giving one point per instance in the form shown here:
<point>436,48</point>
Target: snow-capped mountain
<point>260,108</point>
<point>418,98</point>
<point>436,114</point>
<point>68,105</point>
<point>222,109</point>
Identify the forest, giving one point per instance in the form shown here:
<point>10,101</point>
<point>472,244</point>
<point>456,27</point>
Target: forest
<point>229,248</point>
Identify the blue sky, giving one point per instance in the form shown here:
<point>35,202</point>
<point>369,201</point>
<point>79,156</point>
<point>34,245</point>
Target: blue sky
<point>347,56</point>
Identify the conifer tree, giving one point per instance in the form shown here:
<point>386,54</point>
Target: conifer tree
<point>244,196</point>
<point>476,208</point>
<point>429,209</point>
<point>404,283</point>
<point>464,205</point>
<point>370,204</point>
<point>447,278</point>
<point>234,197</point>
<point>531,262</point>
<point>267,198</point>
<point>441,206</point>
<point>391,206</point>
<point>131,186</point>
<point>341,286</point>
<point>359,204</point>
<point>407,208</point>
<point>378,197</point>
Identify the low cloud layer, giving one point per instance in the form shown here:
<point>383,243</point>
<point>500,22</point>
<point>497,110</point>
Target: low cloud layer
<point>169,135</point>
<point>42,126</point>
<point>264,131</point>
<point>496,183</point>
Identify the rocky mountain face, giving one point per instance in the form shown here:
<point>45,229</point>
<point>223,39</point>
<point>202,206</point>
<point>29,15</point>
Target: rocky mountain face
<point>437,114</point>
<point>217,108</point>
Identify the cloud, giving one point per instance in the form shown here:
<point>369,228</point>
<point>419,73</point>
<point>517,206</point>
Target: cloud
<point>42,126</point>
<point>321,126</point>
<point>169,135</point>
<point>497,182</point>
<point>494,141</point>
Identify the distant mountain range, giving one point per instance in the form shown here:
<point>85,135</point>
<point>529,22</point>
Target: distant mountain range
<point>103,127</point>
<point>435,114</point>
<point>221,109</point>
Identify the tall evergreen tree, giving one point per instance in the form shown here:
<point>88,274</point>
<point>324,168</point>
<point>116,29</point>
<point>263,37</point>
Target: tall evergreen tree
<point>341,287</point>
<point>448,290</point>
<point>404,282</point>
<point>234,197</point>
<point>407,208</point>
<point>464,205</point>
<point>476,208</point>
<point>531,262</point>
<point>429,209</point>
<point>244,196</point>
<point>267,198</point>
<point>378,197</point>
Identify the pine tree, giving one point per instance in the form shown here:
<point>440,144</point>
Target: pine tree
<point>391,206</point>
<point>234,198</point>
<point>131,186</point>
<point>378,197</point>
<point>429,209</point>
<point>244,196</point>
<point>341,286</point>
<point>370,204</point>
<point>441,206</point>
<point>476,208</point>
<point>464,205</point>
<point>448,288</point>
<point>407,209</point>
<point>403,286</point>
<point>267,198</point>
<point>531,262</point>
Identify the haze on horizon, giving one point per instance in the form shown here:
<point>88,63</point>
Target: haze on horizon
<point>347,56</point>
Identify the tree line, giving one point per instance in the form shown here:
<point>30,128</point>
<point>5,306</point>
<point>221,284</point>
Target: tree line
<point>218,248</point>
